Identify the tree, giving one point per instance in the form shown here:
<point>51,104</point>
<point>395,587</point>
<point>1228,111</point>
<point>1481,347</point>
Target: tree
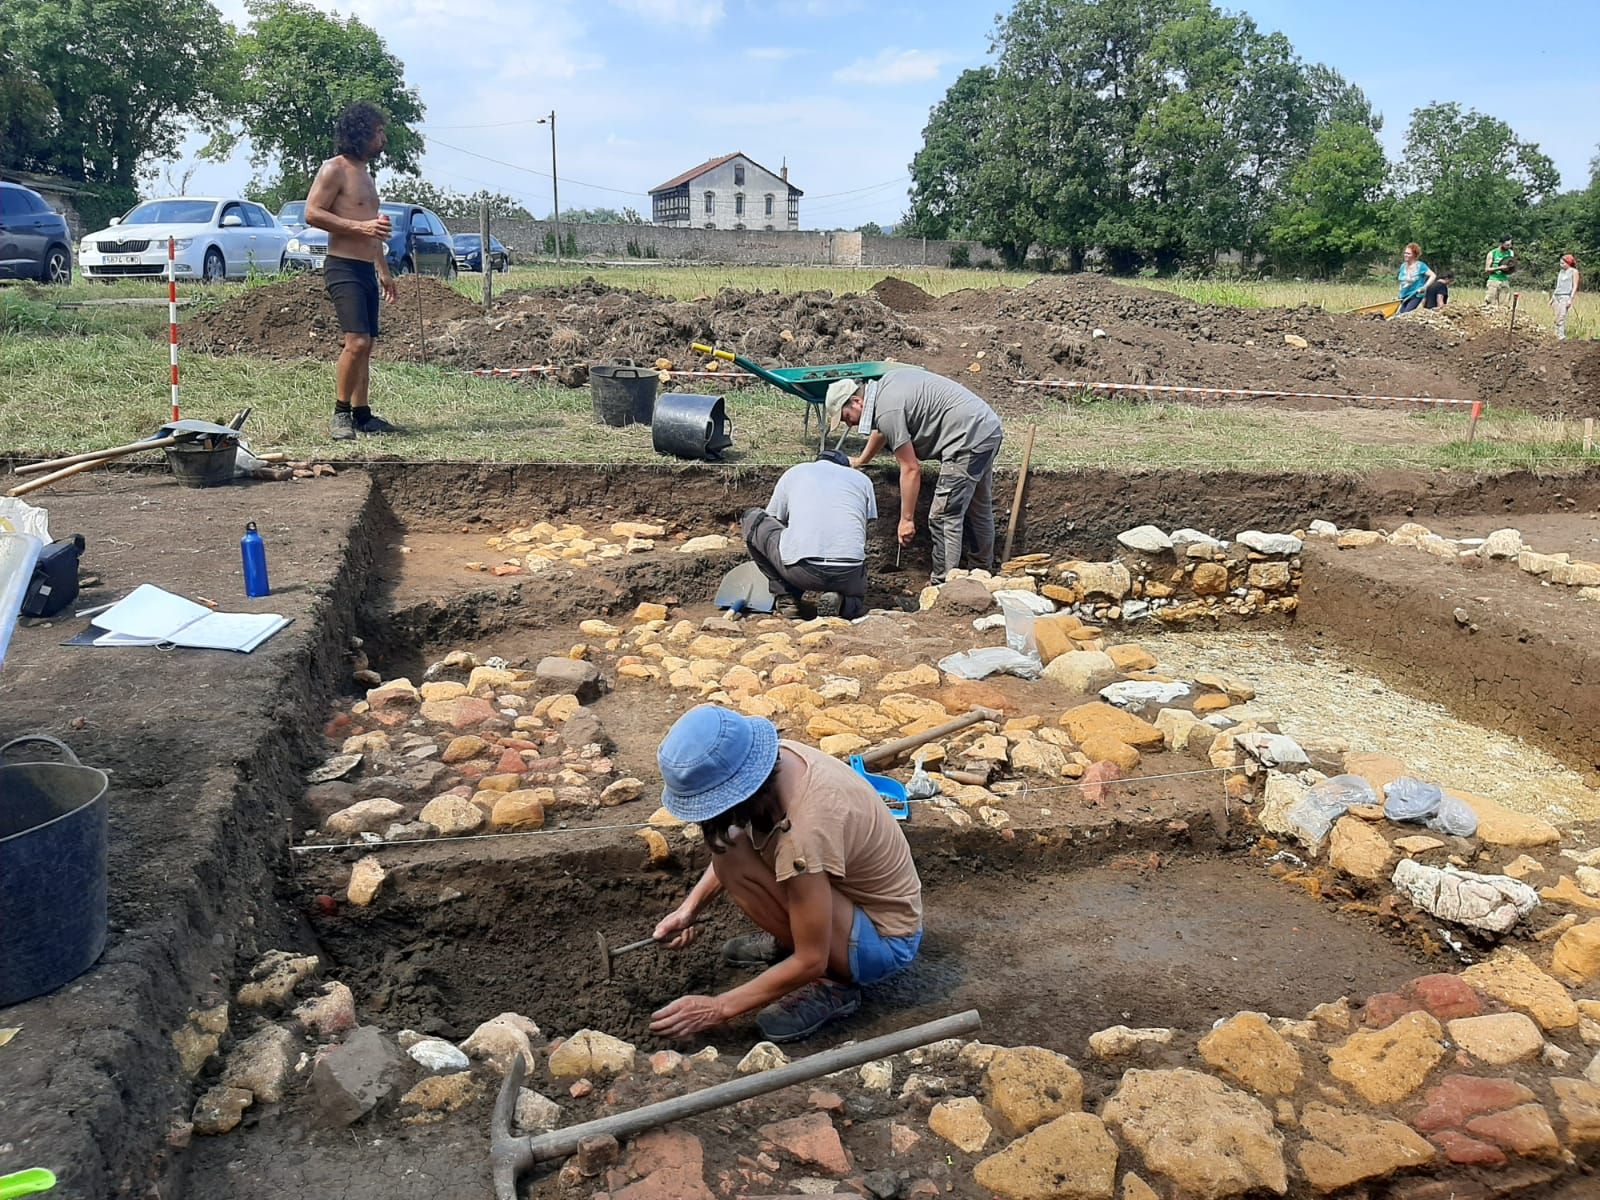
<point>1155,131</point>
<point>1467,180</point>
<point>870,229</point>
<point>124,78</point>
<point>296,69</point>
<point>600,216</point>
<point>28,116</point>
<point>455,206</point>
<point>1336,211</point>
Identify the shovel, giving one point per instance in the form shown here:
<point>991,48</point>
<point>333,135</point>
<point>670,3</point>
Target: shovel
<point>745,589</point>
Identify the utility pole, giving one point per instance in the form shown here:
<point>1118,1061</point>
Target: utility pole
<point>555,190</point>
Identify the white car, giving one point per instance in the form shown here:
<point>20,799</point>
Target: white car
<point>217,238</point>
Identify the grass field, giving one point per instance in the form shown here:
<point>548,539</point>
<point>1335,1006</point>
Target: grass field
<point>80,377</point>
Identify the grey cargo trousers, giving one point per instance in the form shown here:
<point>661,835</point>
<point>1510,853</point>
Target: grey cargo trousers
<point>961,517</point>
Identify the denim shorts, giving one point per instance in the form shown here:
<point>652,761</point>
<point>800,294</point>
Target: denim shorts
<point>873,956</point>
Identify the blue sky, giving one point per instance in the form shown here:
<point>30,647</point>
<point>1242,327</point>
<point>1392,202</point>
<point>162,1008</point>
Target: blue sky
<point>644,89</point>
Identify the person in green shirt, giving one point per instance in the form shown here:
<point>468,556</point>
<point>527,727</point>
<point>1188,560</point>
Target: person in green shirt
<point>1498,265</point>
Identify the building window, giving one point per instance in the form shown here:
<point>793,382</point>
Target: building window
<point>711,224</point>
<point>711,202</point>
<point>769,228</point>
<point>738,175</point>
<point>769,204</point>
<point>738,205</point>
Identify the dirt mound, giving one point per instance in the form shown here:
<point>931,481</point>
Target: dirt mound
<point>1092,329</point>
<point>293,318</point>
<point>591,322</point>
<point>902,295</point>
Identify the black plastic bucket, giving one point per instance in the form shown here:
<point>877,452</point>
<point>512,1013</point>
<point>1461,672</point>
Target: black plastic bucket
<point>691,426</point>
<point>193,465</point>
<point>623,394</point>
<point>52,871</point>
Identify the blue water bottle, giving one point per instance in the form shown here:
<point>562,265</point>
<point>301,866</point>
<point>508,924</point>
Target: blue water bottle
<point>254,551</point>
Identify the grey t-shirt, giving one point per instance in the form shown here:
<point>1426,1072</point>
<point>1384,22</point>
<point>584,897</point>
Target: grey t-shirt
<point>825,508</point>
<point>938,416</point>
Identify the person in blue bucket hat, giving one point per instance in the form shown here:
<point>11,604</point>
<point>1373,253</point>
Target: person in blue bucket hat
<point>805,847</point>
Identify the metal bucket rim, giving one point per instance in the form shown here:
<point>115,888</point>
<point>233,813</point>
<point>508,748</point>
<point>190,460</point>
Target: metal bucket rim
<point>98,797</point>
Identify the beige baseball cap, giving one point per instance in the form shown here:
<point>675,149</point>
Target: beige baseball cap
<point>839,391</point>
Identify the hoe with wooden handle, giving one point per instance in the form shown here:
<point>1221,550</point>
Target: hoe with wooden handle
<point>509,1154</point>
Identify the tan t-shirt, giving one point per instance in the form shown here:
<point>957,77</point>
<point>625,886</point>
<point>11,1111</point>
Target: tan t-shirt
<point>839,825</point>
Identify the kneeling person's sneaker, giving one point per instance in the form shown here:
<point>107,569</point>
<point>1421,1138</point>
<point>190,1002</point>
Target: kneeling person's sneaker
<point>373,424</point>
<point>804,1011</point>
<point>344,426</point>
<point>753,950</point>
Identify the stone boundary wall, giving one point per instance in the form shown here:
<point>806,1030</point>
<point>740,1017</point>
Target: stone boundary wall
<point>812,248</point>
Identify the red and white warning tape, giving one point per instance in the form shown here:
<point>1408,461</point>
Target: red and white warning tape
<point>1232,393</point>
<point>172,318</point>
<point>493,372</point>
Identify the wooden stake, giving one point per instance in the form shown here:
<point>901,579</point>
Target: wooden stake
<point>1472,429</point>
<point>483,248</point>
<point>1016,500</point>
<point>1588,435</point>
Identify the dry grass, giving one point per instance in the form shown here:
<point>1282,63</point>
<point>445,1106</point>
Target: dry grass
<point>1534,307</point>
<point>95,378</point>
<point>89,392</point>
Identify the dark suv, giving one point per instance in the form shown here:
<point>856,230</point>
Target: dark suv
<point>34,240</point>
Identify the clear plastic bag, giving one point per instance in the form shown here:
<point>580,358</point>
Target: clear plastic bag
<point>992,660</point>
<point>1455,817</point>
<point>1019,628</point>
<point>1408,799</point>
<point>1311,818</point>
<point>921,785</point>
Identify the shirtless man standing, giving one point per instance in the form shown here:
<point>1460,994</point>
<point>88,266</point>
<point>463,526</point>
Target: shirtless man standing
<point>344,201</point>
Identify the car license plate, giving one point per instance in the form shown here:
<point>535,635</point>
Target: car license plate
<point>122,259</point>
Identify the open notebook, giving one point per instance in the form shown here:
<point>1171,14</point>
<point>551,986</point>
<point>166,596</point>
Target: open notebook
<point>151,616</point>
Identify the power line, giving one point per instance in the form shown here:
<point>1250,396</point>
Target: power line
<point>871,187</point>
<point>530,171</point>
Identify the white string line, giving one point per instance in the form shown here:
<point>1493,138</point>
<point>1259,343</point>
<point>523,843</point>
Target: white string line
<point>1061,384</point>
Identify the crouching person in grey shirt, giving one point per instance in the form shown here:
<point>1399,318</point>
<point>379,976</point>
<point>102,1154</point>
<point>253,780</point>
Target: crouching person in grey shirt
<point>812,536</point>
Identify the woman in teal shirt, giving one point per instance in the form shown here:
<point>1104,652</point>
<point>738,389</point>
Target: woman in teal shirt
<point>1415,276</point>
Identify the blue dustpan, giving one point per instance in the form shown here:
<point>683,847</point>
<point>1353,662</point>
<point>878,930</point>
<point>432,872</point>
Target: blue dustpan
<point>892,790</point>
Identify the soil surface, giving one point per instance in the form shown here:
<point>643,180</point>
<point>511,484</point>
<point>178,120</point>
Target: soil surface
<point>1081,327</point>
<point>207,751</point>
<point>203,749</point>
<point>1525,660</point>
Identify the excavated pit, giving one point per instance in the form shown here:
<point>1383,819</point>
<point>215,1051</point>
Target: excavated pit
<point>1161,908</point>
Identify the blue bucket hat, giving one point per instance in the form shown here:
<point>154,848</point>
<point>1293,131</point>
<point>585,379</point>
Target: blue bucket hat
<point>712,759</point>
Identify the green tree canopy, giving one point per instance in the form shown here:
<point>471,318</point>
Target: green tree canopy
<point>296,69</point>
<point>1335,211</point>
<point>1153,131</point>
<point>601,216</point>
<point>124,78</point>
<point>1467,181</point>
<point>455,207</point>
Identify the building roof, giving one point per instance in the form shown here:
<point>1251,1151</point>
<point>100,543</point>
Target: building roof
<point>711,165</point>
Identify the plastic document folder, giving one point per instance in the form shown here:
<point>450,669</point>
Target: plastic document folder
<point>151,616</point>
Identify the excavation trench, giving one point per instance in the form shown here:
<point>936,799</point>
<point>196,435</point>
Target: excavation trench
<point>1157,907</point>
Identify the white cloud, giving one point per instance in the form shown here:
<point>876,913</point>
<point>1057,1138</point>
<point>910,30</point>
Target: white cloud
<point>772,53</point>
<point>891,67</point>
<point>699,15</point>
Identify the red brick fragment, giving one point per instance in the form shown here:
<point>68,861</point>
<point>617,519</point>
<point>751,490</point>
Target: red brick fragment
<point>1447,997</point>
<point>1467,1151</point>
<point>1458,1098</point>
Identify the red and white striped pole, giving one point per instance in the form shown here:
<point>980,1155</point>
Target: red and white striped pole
<point>172,317</point>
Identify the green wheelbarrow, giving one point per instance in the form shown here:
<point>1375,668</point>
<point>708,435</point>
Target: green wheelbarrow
<point>808,383</point>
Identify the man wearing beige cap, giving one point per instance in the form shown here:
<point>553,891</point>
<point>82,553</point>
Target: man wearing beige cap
<point>919,415</point>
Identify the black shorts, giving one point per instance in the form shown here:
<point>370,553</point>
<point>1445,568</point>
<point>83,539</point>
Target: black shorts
<point>352,285</point>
